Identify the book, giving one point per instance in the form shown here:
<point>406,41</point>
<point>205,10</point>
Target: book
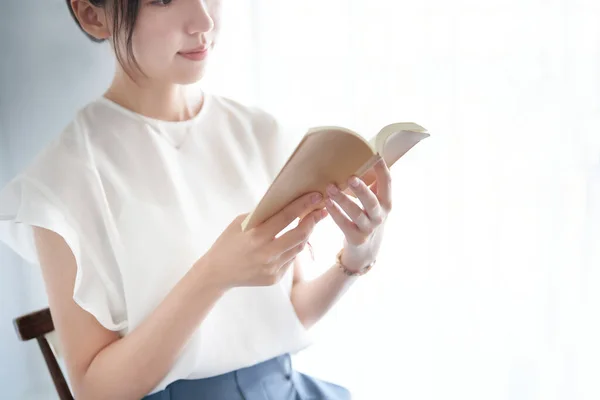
<point>332,154</point>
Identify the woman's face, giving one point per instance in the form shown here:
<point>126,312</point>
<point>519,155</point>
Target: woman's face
<point>168,29</point>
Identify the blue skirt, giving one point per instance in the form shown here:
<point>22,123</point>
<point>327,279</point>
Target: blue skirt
<point>274,379</point>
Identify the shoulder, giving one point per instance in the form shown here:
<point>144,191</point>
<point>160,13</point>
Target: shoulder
<point>90,131</point>
<point>267,127</point>
<point>243,113</point>
<point>66,153</point>
<point>65,166</point>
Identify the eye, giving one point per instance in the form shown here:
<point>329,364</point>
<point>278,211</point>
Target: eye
<point>161,2</point>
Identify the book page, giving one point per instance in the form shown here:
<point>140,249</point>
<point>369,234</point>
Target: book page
<point>394,145</point>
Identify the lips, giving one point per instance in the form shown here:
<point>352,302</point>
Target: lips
<point>196,50</point>
<point>197,54</point>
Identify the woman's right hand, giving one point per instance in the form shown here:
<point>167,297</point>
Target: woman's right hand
<point>256,257</point>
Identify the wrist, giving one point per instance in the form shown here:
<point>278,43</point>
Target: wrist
<point>353,266</point>
<point>207,276</point>
<point>350,264</point>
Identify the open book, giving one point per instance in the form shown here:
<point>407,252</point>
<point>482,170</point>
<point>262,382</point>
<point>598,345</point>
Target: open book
<point>329,154</point>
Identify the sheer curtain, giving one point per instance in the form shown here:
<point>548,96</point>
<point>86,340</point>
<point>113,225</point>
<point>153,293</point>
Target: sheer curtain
<point>486,284</point>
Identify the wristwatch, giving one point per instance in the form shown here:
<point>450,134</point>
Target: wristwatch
<point>348,272</point>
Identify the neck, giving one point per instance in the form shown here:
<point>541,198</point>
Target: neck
<point>164,101</point>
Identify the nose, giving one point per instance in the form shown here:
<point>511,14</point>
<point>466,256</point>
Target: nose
<point>200,20</point>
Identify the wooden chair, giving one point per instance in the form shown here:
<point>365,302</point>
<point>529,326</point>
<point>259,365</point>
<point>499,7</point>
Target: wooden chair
<point>37,325</point>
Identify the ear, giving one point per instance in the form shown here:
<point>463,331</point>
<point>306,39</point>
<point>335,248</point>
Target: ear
<point>92,19</point>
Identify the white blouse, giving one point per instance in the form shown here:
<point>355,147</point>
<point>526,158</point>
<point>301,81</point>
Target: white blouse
<point>139,200</point>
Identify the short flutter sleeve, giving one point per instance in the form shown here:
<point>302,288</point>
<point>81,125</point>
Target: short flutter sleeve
<point>60,192</point>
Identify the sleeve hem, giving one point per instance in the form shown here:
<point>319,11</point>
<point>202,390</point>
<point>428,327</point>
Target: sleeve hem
<point>27,209</point>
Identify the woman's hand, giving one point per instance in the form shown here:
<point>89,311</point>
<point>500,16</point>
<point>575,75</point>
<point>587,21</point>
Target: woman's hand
<point>363,226</point>
<point>256,257</point>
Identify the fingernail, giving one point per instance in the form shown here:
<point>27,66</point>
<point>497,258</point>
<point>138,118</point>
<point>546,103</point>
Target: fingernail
<point>332,189</point>
<point>316,198</point>
<point>354,181</point>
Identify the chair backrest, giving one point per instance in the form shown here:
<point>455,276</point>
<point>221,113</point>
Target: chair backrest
<point>37,325</point>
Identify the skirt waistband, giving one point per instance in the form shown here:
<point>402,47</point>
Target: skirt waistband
<point>279,366</point>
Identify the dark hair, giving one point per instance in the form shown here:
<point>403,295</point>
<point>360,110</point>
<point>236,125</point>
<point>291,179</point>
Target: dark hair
<point>124,14</point>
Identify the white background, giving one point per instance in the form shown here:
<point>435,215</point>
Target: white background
<point>487,284</point>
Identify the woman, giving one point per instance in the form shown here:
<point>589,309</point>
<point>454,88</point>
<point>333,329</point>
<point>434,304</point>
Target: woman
<point>133,214</point>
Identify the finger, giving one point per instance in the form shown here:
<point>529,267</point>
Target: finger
<point>289,256</point>
<point>373,187</point>
<point>348,227</point>
<point>384,184</point>
<point>274,275</point>
<point>353,210</point>
<point>299,234</point>
<point>295,209</point>
<point>367,198</point>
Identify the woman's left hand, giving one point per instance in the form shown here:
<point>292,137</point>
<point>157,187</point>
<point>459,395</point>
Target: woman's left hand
<point>363,226</point>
